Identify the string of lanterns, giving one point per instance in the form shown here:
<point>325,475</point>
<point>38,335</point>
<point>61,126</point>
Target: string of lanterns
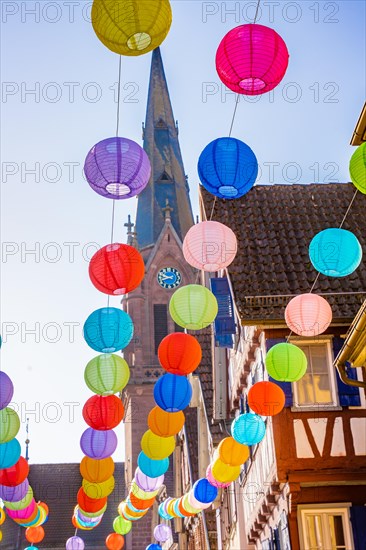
<point>15,490</point>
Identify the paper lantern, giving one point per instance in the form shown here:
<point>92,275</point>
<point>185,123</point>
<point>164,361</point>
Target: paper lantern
<point>108,330</point>
<point>286,362</point>
<point>43,516</point>
<point>153,547</point>
<point>232,453</point>
<point>107,374</point>
<point>141,493</point>
<point>98,444</point>
<point>2,516</point>
<point>9,453</point>
<point>139,503</point>
<point>227,168</point>
<point>247,429</point>
<point>117,168</point>
<point>193,307</point>
<point>179,353</point>
<point>156,447</point>
<point>34,534</point>
<point>357,168</point>
<point>162,532</point>
<point>20,504</point>
<point>31,548</point>
<point>24,513</point>
<point>162,512</point>
<point>96,471</point>
<point>224,473</point>
<point>196,504</point>
<point>152,468</point>
<point>122,526</point>
<point>103,413</point>
<point>172,393</point>
<point>95,514</point>
<point>83,517</point>
<point>114,541</point>
<point>131,27</point>
<point>252,59</point>
<point>188,508</point>
<point>335,252</point>
<point>116,269</point>
<point>165,423</point>
<point>15,474</point>
<point>14,494</point>
<point>98,490</point>
<point>6,390</point>
<point>91,503</point>
<point>75,543</point>
<point>204,492</point>
<point>30,521</point>
<point>266,398</point>
<point>213,481</point>
<point>147,483</point>
<point>308,315</point>
<point>210,246</point>
<point>9,424</point>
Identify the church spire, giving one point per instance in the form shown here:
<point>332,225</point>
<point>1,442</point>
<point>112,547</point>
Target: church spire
<point>168,180</point>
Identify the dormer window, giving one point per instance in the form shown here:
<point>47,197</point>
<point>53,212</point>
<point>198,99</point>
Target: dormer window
<point>161,124</point>
<point>165,178</point>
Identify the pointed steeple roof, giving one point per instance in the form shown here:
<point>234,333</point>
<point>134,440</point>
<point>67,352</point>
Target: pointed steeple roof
<point>168,180</point>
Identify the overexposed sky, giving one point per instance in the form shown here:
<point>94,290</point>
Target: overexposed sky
<point>58,100</point>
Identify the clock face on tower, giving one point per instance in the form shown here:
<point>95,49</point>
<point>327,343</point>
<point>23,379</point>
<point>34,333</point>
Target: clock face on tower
<point>169,277</point>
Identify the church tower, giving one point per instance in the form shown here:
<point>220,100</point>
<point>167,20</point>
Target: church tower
<point>164,215</point>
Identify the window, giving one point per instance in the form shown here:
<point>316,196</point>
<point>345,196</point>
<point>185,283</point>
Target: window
<point>160,324</point>
<point>325,528</point>
<point>318,384</point>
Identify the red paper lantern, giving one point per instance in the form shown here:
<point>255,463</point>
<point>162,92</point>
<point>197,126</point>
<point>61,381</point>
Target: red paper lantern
<point>15,475</point>
<point>90,505</point>
<point>103,413</point>
<point>179,353</point>
<point>114,541</point>
<point>266,398</point>
<point>116,269</point>
<point>252,59</point>
<point>34,534</point>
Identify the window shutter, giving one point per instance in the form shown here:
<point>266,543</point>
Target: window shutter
<point>160,324</point>
<point>225,321</point>
<point>358,520</point>
<point>276,540</point>
<point>349,396</point>
<point>286,386</point>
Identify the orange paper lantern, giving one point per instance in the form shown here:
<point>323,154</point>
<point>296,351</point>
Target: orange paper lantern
<point>96,471</point>
<point>165,424</point>
<point>232,453</point>
<point>34,534</point>
<point>266,398</point>
<point>139,503</point>
<point>114,541</point>
<point>179,353</point>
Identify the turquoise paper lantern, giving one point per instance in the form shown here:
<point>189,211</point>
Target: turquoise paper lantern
<point>150,467</point>
<point>248,429</point>
<point>108,330</point>
<point>9,453</point>
<point>335,252</point>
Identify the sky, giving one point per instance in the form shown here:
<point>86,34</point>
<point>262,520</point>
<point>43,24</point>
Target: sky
<point>58,100</point>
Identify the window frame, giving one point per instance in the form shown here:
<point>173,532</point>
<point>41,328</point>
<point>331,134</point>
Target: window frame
<point>334,405</point>
<point>342,508</point>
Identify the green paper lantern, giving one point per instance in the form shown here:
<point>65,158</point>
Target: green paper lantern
<point>122,526</point>
<point>193,307</point>
<point>286,362</point>
<point>21,504</point>
<point>9,424</point>
<point>107,374</point>
<point>357,168</point>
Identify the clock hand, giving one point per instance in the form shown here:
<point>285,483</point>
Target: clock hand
<point>167,277</point>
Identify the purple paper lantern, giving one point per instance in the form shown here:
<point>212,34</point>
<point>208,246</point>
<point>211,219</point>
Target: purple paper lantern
<point>6,390</point>
<point>16,493</point>
<point>98,443</point>
<point>146,483</point>
<point>117,168</point>
<point>162,532</point>
<point>75,543</point>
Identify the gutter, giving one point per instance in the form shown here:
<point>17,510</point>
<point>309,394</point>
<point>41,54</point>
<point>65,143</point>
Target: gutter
<point>353,349</point>
<point>359,133</point>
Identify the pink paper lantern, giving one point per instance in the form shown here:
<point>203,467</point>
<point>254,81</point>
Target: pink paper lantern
<point>252,59</point>
<point>308,315</point>
<point>146,483</point>
<point>210,246</point>
<point>210,478</point>
<point>196,503</point>
<point>24,513</point>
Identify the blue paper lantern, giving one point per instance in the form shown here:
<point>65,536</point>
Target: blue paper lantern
<point>162,513</point>
<point>227,168</point>
<point>150,467</point>
<point>9,453</point>
<point>153,547</point>
<point>204,492</point>
<point>335,252</point>
<point>172,393</point>
<point>108,330</point>
<point>248,429</point>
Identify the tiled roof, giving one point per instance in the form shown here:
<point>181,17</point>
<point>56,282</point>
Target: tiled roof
<point>274,226</point>
<point>57,485</point>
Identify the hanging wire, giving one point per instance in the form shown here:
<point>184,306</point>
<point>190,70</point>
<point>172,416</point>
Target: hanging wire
<point>256,12</point>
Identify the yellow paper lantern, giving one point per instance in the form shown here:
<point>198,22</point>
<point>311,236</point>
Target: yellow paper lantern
<point>232,453</point>
<point>156,447</point>
<point>141,494</point>
<point>98,490</point>
<point>2,516</point>
<point>131,27</point>
<point>223,472</point>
